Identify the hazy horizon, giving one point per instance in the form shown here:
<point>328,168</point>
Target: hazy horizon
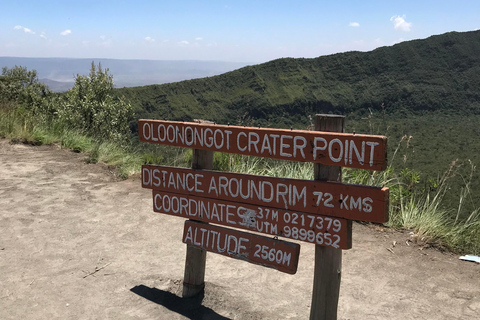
<point>247,31</point>
<point>59,73</point>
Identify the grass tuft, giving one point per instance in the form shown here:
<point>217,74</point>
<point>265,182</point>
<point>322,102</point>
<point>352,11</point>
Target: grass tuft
<point>128,162</point>
<point>76,141</point>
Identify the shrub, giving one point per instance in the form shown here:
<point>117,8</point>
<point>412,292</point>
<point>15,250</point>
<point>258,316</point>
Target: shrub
<point>90,106</point>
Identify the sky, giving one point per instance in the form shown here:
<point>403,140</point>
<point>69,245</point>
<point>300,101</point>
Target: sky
<point>222,30</point>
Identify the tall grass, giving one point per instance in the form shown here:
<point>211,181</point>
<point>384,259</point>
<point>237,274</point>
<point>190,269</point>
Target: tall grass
<point>425,209</point>
<point>427,214</point>
<point>419,209</point>
<point>15,123</point>
<point>464,235</point>
<point>125,159</point>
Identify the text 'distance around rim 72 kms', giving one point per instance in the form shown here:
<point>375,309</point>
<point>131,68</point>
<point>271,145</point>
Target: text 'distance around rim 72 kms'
<point>352,202</point>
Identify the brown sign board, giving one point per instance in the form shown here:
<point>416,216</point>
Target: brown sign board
<point>335,149</point>
<point>256,249</point>
<point>352,202</point>
<point>312,228</point>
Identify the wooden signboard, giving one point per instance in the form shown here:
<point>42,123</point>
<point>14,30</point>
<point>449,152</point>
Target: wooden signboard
<point>312,228</point>
<point>337,149</point>
<point>268,252</point>
<point>317,211</point>
<point>353,202</point>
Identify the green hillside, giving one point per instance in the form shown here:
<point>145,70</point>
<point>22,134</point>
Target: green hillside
<point>440,73</point>
<point>426,89</point>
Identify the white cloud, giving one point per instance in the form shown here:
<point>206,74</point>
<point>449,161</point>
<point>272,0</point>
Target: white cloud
<point>149,39</point>
<point>184,42</point>
<point>43,35</point>
<point>354,24</point>
<point>66,32</point>
<point>399,23</point>
<point>198,38</point>
<point>26,30</point>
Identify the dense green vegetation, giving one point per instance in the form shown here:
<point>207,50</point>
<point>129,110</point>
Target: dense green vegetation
<point>422,94</point>
<point>440,73</point>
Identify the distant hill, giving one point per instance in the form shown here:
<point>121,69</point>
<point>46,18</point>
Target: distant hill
<point>57,86</point>
<point>438,73</point>
<point>59,73</point>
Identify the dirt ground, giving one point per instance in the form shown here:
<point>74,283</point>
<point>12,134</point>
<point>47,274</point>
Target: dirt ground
<point>76,243</point>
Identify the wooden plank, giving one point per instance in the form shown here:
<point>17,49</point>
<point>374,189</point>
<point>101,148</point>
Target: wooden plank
<point>256,249</point>
<point>336,149</point>
<point>196,258</point>
<point>321,230</point>
<point>353,202</point>
<point>328,261</point>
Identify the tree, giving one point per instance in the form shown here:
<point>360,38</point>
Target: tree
<point>90,106</point>
<point>21,87</point>
<point>20,74</point>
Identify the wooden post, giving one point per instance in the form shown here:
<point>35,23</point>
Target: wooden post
<point>328,261</point>
<point>194,278</point>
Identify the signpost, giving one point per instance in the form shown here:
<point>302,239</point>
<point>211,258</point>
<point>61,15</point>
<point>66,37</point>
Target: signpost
<point>328,261</point>
<point>196,258</point>
<point>319,211</point>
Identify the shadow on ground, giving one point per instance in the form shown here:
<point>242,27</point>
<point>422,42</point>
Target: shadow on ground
<point>191,308</point>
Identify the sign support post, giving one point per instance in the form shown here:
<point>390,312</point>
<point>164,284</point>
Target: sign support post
<point>195,261</point>
<point>328,261</point>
